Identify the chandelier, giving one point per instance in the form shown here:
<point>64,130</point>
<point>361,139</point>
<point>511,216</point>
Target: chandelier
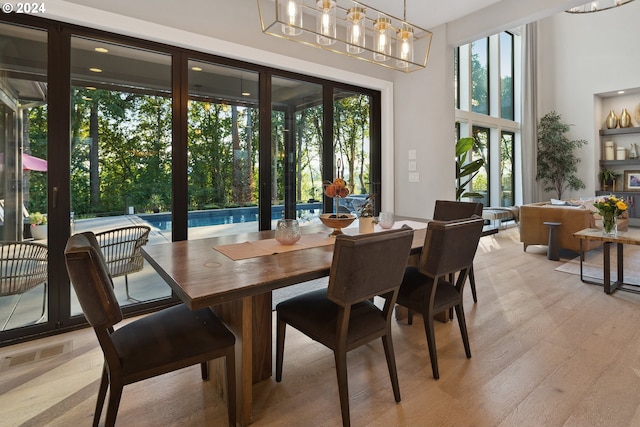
<point>597,6</point>
<point>351,28</point>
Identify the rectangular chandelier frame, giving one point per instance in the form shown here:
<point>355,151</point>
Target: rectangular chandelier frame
<point>274,23</point>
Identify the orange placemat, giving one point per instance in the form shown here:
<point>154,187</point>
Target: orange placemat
<point>244,250</point>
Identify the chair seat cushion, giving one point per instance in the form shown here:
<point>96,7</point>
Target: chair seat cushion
<point>414,287</point>
<point>175,335</point>
<point>315,315</point>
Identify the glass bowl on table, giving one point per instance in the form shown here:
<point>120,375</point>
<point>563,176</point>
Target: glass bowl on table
<point>287,231</point>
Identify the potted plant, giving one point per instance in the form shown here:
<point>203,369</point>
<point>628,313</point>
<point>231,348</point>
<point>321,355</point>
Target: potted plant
<point>608,178</point>
<point>557,162</point>
<point>466,171</point>
<point>366,219</point>
<point>38,227</point>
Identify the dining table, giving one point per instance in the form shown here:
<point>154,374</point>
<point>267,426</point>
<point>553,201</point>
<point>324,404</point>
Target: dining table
<point>235,275</point>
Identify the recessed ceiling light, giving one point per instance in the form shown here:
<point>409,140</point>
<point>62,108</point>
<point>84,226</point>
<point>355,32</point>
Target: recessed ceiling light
<point>101,50</point>
<point>90,88</point>
<point>246,94</point>
<point>196,68</point>
<point>95,70</point>
<point>86,98</point>
<point>620,91</point>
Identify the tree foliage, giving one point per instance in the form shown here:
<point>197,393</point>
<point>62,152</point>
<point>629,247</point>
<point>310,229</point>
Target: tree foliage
<point>556,161</point>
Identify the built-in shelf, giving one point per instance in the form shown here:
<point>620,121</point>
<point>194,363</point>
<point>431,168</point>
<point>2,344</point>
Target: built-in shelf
<point>620,163</point>
<point>619,131</point>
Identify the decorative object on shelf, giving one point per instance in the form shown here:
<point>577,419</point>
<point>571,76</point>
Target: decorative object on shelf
<point>612,120</point>
<point>631,180</point>
<point>609,150</point>
<point>608,179</point>
<point>610,208</point>
<point>351,28</point>
<point>636,114</point>
<point>621,153</point>
<point>287,231</point>
<point>366,219</point>
<point>625,119</point>
<point>597,6</point>
<point>633,152</point>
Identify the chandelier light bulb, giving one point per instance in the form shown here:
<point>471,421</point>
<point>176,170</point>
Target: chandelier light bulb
<point>292,13</point>
<point>356,30</point>
<point>326,22</point>
<point>405,46</point>
<point>381,42</point>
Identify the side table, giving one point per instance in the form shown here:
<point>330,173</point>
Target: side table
<point>553,251</point>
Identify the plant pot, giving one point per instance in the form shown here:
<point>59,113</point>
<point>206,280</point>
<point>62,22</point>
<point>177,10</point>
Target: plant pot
<point>365,224</point>
<point>39,232</point>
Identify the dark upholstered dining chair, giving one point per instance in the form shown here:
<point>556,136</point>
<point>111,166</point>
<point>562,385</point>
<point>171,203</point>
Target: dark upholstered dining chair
<point>121,248</point>
<point>343,316</point>
<point>449,247</point>
<point>449,210</point>
<point>161,342</point>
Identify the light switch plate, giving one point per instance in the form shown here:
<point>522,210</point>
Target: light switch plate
<point>412,154</point>
<point>414,177</point>
<point>412,166</point>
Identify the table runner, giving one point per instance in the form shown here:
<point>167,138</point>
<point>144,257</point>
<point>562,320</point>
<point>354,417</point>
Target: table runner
<point>256,248</point>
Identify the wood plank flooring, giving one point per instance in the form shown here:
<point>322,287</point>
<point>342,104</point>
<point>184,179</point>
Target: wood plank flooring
<point>547,350</point>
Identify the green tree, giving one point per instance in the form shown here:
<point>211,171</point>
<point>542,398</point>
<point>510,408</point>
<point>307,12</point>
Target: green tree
<point>556,161</point>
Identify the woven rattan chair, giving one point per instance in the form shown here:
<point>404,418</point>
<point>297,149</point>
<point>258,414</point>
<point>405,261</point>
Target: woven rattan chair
<point>23,266</point>
<point>121,250</point>
<point>159,343</point>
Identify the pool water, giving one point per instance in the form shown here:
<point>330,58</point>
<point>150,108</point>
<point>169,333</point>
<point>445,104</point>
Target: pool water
<point>203,218</point>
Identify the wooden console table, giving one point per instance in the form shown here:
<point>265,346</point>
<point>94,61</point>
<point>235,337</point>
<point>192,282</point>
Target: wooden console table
<point>630,237</point>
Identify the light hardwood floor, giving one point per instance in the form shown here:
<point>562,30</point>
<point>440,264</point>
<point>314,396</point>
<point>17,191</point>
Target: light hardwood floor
<point>547,350</point>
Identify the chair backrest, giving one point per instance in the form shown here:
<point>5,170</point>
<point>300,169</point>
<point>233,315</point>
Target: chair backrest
<point>91,280</point>
<point>450,246</point>
<point>367,265</point>
<point>121,248</point>
<point>449,210</point>
<point>23,265</point>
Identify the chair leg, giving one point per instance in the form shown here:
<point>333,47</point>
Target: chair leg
<point>431,342</point>
<point>391,364</point>
<point>280,347</point>
<point>472,283</point>
<point>204,370</point>
<point>463,330</point>
<point>102,393</point>
<point>115,393</point>
<point>343,385</point>
<point>230,363</point>
<point>409,316</point>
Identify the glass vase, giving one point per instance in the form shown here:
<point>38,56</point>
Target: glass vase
<point>609,225</point>
<point>287,231</point>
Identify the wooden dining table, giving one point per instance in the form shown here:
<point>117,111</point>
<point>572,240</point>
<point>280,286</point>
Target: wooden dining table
<point>240,291</point>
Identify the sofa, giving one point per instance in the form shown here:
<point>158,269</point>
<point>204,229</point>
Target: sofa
<point>573,215</point>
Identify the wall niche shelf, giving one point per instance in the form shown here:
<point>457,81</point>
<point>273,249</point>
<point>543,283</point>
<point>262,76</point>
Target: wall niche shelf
<point>619,131</point>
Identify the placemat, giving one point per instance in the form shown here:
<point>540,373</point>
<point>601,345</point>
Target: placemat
<point>244,250</point>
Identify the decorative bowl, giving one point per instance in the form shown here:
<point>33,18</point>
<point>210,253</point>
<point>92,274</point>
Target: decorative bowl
<point>337,221</point>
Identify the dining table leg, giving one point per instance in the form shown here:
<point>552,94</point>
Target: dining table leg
<point>249,318</point>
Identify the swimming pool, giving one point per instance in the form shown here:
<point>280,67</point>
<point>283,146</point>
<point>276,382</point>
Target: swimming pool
<point>203,218</point>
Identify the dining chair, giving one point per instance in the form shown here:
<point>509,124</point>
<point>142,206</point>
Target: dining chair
<point>343,316</point>
<point>23,266</point>
<point>449,210</point>
<point>162,342</point>
<point>122,250</point>
<point>449,248</point>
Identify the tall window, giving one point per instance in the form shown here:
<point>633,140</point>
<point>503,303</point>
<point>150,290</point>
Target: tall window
<point>487,93</point>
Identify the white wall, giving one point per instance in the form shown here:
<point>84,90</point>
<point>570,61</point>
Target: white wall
<point>582,56</point>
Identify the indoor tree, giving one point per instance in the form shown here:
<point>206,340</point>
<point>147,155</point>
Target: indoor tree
<point>557,163</point>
